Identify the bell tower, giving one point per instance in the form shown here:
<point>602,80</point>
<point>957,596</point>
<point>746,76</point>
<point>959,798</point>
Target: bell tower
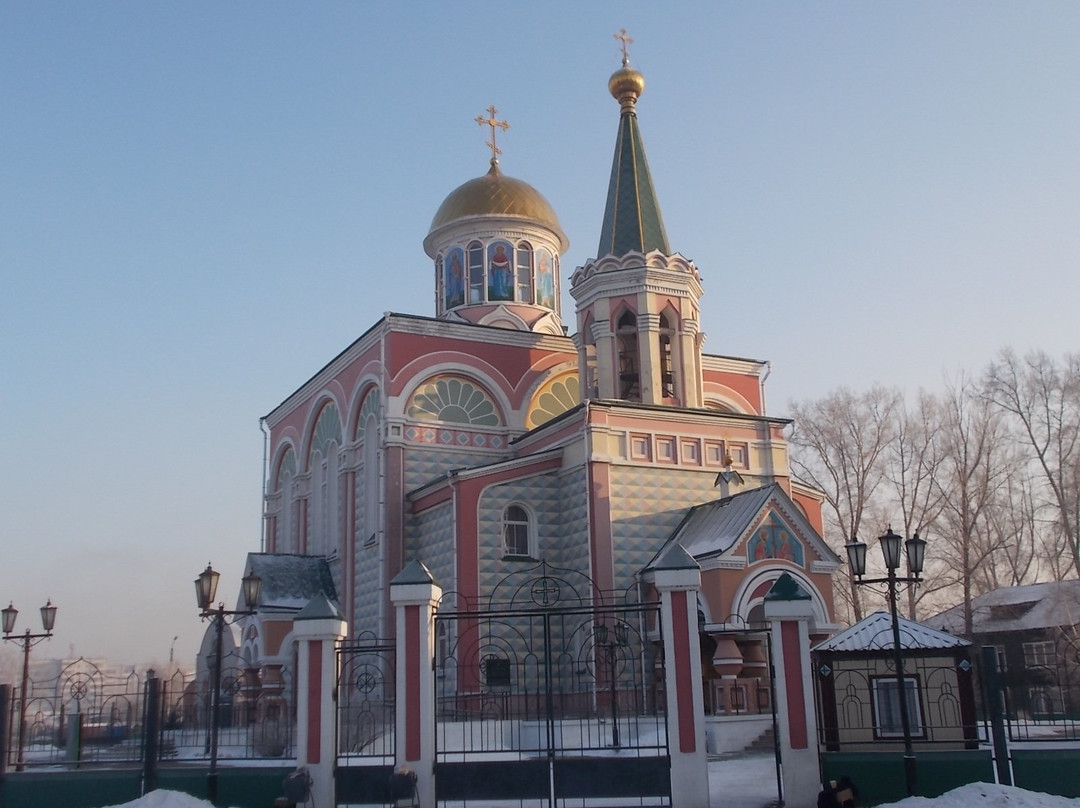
<point>638,303</point>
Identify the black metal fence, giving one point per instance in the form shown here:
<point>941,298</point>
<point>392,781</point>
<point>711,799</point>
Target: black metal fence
<point>86,715</point>
<point>859,702</point>
<point>558,678</point>
<point>1042,696</point>
<point>366,700</point>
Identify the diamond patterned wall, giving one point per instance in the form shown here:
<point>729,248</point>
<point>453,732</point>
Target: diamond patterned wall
<point>647,505</point>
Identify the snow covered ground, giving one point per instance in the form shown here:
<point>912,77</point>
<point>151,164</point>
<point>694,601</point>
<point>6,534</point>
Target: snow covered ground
<point>750,782</point>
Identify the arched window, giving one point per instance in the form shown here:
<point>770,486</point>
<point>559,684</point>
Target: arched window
<point>284,533</point>
<point>449,398</point>
<point>476,272</point>
<point>368,478</point>
<point>629,364</point>
<point>667,366</point>
<point>323,462</point>
<point>517,528</point>
<point>453,277</point>
<point>546,273</point>
<point>524,272</point>
<point>371,481</point>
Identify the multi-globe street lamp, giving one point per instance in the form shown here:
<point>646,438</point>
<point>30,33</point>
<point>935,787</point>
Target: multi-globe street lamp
<point>205,591</point>
<point>28,640</point>
<point>612,648</point>
<point>914,549</point>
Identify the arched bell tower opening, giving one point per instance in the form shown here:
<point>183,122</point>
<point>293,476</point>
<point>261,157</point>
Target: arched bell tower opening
<point>626,340</point>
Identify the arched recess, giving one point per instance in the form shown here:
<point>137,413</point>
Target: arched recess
<point>724,399</point>
<point>367,436</point>
<point>281,531</point>
<point>668,351</point>
<point>628,355</point>
<point>503,317</point>
<point>752,590</point>
<point>323,459</point>
<point>590,382</point>
<point>455,399</point>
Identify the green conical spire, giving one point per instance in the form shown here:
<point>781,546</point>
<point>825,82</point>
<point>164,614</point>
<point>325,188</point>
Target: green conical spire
<point>632,218</point>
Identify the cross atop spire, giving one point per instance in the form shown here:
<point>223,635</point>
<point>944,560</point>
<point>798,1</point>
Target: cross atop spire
<point>624,40</point>
<point>494,124</point>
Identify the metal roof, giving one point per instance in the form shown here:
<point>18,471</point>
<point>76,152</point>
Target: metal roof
<point>632,220</point>
<point>290,581</point>
<point>874,633</point>
<point>715,527</point>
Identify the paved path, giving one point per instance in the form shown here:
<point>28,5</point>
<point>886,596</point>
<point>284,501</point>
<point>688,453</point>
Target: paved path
<point>742,780</point>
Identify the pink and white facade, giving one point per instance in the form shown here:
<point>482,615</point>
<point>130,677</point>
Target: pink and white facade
<point>485,438</point>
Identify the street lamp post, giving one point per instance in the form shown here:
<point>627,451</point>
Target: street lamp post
<point>914,549</point>
<point>611,648</point>
<point>28,640</point>
<point>205,590</point>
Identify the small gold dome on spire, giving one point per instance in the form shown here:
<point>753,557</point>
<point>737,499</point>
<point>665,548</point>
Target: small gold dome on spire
<point>626,84</point>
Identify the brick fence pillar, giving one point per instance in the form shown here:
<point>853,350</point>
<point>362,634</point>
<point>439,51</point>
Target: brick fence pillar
<point>318,628</point>
<point>677,577</point>
<point>788,610</point>
<point>414,594</point>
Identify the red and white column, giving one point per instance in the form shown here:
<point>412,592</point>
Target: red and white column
<point>788,609</point>
<point>677,577</point>
<point>318,628</point>
<point>414,594</point>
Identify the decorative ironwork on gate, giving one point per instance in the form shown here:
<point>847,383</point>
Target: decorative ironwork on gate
<point>550,690</point>
<point>365,699</point>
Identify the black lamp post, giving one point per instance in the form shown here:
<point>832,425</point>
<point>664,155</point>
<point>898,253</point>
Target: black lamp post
<point>914,549</point>
<point>205,590</point>
<point>612,649</point>
<point>28,640</point>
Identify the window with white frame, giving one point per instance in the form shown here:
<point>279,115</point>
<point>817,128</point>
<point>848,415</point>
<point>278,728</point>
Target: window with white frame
<point>1038,654</point>
<point>887,718</point>
<point>517,527</point>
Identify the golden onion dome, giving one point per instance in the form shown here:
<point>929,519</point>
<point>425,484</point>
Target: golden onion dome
<point>626,85</point>
<point>495,194</point>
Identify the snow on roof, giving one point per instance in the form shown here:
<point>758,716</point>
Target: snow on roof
<point>1016,608</point>
<point>290,581</point>
<point>716,526</point>
<point>874,633</point>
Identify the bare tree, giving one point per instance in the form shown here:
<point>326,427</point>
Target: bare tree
<point>1017,534</point>
<point>912,462</point>
<point>1044,398</point>
<point>837,446</point>
<point>973,474</point>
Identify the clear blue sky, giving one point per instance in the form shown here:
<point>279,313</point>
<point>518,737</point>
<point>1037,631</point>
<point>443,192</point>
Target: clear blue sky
<point>203,202</point>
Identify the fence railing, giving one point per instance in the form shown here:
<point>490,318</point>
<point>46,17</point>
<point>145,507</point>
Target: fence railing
<point>87,715</point>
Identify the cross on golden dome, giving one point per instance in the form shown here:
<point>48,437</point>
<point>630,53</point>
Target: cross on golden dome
<point>494,124</point>
<point>624,40</point>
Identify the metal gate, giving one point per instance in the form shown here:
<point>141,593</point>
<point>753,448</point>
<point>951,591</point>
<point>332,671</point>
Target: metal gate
<point>365,720</point>
<point>550,692</point>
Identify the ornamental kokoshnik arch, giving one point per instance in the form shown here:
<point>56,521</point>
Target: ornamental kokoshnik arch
<point>453,399</point>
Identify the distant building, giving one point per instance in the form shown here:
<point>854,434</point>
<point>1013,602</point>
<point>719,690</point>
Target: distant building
<point>1035,630</point>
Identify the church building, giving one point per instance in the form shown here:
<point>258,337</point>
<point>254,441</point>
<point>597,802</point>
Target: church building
<point>491,435</point>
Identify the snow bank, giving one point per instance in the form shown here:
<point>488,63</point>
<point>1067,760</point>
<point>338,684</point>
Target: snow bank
<point>987,795</point>
<point>166,799</point>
